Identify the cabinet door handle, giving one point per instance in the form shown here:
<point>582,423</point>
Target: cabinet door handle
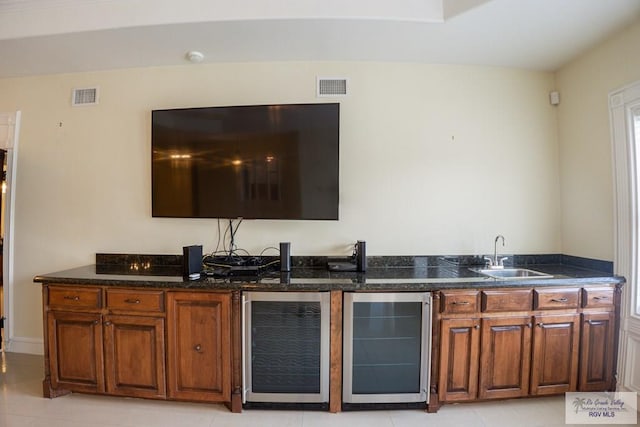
<point>476,327</point>
<point>107,323</point>
<point>539,324</point>
<point>529,325</point>
<point>559,300</point>
<point>460,303</point>
<point>72,298</point>
<point>132,301</point>
<point>95,322</point>
<point>198,348</point>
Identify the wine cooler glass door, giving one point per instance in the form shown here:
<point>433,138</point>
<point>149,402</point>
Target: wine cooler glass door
<point>387,347</point>
<point>286,346</point>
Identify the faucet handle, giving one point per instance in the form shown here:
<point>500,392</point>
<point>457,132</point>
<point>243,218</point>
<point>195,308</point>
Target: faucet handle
<point>489,261</point>
<point>501,262</point>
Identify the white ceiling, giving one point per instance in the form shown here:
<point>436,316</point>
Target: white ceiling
<point>60,36</point>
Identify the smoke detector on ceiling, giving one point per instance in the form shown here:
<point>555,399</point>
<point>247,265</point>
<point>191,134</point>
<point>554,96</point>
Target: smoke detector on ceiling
<point>194,56</point>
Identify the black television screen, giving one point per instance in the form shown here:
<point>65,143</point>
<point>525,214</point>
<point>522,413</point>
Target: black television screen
<point>255,162</point>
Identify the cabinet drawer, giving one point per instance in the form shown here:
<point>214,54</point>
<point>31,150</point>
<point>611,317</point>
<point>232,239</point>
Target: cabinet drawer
<point>453,302</point>
<point>555,298</point>
<point>75,297</point>
<point>135,300</point>
<point>506,300</point>
<point>597,297</point>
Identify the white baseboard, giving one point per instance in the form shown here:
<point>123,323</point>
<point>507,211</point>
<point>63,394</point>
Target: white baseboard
<point>25,345</point>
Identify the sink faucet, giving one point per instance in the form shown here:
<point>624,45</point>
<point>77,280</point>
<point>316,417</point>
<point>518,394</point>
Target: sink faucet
<point>495,262</point>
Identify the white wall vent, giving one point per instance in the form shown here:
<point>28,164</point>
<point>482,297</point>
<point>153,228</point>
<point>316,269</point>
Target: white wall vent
<point>329,86</point>
<point>84,96</point>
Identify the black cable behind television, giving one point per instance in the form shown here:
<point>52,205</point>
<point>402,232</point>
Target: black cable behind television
<point>254,162</point>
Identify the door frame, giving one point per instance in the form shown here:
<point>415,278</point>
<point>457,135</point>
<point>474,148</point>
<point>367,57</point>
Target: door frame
<point>10,144</point>
<point>626,170</point>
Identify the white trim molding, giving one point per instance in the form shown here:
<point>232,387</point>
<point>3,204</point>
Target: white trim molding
<point>25,345</point>
<point>624,104</point>
<point>8,251</point>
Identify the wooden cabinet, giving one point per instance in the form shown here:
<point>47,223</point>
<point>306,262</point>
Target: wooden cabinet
<point>555,354</point>
<point>67,298</point>
<point>112,340</point>
<point>186,344</point>
<point>134,356</point>
<point>135,301</point>
<point>596,362</point>
<point>556,298</point>
<point>504,343</point>
<point>598,340</point>
<point>459,302</point>
<point>199,356</point>
<point>459,359</point>
<point>75,351</point>
<point>134,343</point>
<point>505,357</point>
<point>556,340</point>
<point>504,300</point>
<point>92,350</point>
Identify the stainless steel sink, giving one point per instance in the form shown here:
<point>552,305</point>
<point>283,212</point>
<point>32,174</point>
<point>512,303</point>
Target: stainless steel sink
<point>513,273</point>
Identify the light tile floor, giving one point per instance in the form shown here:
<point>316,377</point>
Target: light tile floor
<point>22,405</point>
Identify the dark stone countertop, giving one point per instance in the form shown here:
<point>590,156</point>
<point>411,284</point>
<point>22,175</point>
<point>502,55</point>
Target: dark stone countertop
<point>417,278</point>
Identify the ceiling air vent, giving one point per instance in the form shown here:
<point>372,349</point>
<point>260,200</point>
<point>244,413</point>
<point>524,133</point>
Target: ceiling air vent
<point>84,96</point>
<point>332,86</point>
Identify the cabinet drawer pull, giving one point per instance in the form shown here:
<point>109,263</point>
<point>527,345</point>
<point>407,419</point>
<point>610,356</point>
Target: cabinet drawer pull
<point>563,300</point>
<point>74,298</point>
<point>460,303</point>
<point>132,301</point>
<point>595,322</point>
<point>539,324</point>
<point>600,298</point>
<point>198,348</point>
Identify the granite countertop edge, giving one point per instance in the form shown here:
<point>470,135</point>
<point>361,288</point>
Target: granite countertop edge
<point>308,279</point>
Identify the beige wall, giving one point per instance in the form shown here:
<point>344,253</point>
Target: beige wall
<point>585,142</point>
<point>434,159</point>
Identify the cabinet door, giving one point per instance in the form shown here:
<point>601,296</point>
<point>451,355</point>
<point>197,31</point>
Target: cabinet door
<point>555,354</point>
<point>459,357</point>
<point>505,357</point>
<point>199,349</point>
<point>134,356</point>
<point>596,353</point>
<point>75,351</point>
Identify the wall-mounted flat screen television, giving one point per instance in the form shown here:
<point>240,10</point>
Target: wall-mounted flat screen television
<point>254,162</point>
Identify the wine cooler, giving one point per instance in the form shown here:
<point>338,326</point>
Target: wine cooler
<point>286,347</point>
<point>387,347</point>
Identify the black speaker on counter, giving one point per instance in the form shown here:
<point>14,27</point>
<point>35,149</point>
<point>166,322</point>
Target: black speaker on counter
<point>192,261</point>
<point>285,256</point>
<point>361,255</point>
